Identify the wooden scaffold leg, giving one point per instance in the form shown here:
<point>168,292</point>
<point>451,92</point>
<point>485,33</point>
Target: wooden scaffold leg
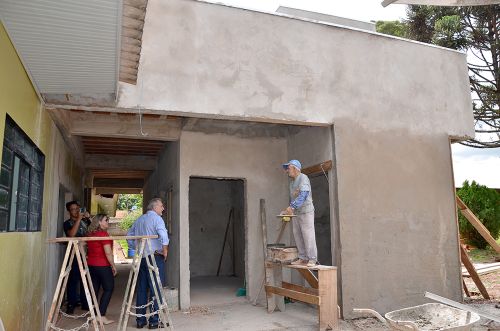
<point>74,249</point>
<point>126,310</point>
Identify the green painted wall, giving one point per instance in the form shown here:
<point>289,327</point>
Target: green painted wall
<point>23,255</point>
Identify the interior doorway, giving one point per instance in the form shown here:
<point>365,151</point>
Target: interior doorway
<point>216,239</point>
<point>322,220</point>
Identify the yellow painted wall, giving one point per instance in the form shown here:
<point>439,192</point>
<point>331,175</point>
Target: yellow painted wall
<point>23,261</point>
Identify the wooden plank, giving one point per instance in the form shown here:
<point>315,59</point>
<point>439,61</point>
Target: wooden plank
<point>472,271</point>
<point>466,290</point>
<point>304,297</point>
<point>73,239</point>
<point>476,223</point>
<point>328,315</point>
<point>316,267</point>
<point>318,168</point>
<point>309,277</point>
<point>458,305</point>
<point>299,288</point>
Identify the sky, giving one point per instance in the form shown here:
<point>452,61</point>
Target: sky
<point>481,165</point>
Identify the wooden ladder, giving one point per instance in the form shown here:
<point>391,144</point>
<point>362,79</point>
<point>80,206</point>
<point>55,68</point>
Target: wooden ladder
<point>74,248</point>
<point>126,310</point>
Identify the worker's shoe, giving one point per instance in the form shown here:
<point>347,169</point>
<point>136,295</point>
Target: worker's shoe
<point>311,263</point>
<point>157,326</point>
<point>299,262</point>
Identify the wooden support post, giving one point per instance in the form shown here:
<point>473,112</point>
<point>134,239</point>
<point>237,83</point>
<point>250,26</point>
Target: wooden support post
<point>472,272</point>
<point>309,277</point>
<point>324,295</point>
<point>327,289</point>
<point>274,277</point>
<point>476,223</point>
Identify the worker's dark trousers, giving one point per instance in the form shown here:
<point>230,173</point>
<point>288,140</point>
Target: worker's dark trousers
<point>75,286</point>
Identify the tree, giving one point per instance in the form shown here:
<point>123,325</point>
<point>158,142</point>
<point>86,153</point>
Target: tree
<point>394,28</point>
<point>477,31</point>
<point>127,201</point>
<point>485,204</point>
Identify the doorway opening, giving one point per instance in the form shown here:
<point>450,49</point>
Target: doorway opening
<point>322,220</point>
<point>216,239</point>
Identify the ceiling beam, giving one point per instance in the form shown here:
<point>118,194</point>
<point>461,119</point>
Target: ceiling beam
<point>120,162</point>
<point>119,182</point>
<point>98,124</point>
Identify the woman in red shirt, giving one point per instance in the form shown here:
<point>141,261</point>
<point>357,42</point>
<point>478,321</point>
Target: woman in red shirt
<point>101,263</point>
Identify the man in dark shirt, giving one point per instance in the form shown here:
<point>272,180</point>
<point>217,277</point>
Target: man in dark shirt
<point>75,226</point>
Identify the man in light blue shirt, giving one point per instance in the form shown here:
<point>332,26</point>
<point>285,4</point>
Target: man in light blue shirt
<point>150,223</point>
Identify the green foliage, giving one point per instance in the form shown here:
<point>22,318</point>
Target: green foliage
<point>475,30</point>
<point>131,217</point>
<point>449,32</point>
<point>393,28</point>
<point>485,204</point>
<point>127,201</point>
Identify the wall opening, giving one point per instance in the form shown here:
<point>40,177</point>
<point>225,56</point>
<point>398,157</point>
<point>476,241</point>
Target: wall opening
<point>322,220</point>
<point>216,239</point>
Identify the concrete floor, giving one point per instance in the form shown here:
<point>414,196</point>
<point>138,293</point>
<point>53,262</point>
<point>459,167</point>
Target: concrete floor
<point>215,307</point>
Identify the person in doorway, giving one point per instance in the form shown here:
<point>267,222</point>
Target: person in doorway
<point>75,226</point>
<point>101,262</point>
<point>301,205</point>
<point>150,223</point>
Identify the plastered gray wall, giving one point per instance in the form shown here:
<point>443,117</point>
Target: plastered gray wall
<point>165,177</point>
<point>393,102</point>
<point>211,201</point>
<point>225,62</point>
<point>397,218</point>
<point>258,162</point>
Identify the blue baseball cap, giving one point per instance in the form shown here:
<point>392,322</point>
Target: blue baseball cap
<point>295,163</point>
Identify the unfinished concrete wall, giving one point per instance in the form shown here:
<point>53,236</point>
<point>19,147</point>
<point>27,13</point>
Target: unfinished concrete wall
<point>394,104</point>
<point>397,218</point>
<point>165,178</point>
<point>258,162</point>
<point>246,64</point>
<point>210,204</point>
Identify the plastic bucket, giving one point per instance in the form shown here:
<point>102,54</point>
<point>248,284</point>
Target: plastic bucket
<point>131,252</point>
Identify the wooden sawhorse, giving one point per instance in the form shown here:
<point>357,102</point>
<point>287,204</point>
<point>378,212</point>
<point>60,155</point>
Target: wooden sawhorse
<point>323,291</point>
<point>75,248</point>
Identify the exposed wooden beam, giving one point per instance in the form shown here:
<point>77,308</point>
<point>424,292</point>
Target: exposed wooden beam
<point>118,162</point>
<point>84,123</point>
<point>131,41</point>
<point>119,182</point>
<point>318,168</point>
<point>476,223</point>
<point>132,23</point>
<point>130,56</point>
<point>133,12</point>
<point>128,70</point>
<point>136,3</point>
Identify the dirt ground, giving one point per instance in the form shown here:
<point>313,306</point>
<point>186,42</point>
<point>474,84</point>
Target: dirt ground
<point>492,283</point>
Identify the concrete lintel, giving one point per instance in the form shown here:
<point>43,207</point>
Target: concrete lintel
<point>120,190</point>
<point>178,113</point>
<point>136,183</point>
<point>120,162</point>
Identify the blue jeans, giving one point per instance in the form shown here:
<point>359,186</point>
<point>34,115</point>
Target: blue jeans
<point>144,283</point>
